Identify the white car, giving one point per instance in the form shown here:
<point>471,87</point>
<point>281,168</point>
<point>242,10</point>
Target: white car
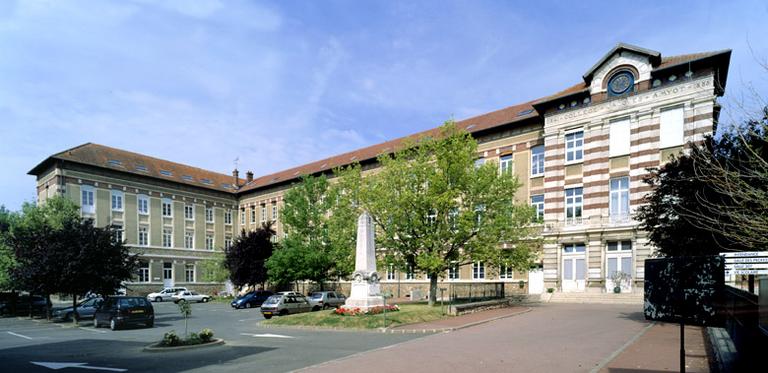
<point>165,294</point>
<point>190,296</point>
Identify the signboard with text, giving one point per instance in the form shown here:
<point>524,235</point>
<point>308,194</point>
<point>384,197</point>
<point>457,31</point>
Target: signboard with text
<point>746,263</point>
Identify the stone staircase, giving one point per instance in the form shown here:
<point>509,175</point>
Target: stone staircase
<point>600,298</point>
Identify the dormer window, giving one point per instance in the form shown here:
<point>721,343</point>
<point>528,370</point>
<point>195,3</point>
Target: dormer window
<point>621,83</point>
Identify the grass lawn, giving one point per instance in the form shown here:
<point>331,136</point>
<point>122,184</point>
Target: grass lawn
<point>408,314</point>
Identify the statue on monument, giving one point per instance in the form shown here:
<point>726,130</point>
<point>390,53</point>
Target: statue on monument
<point>366,292</point>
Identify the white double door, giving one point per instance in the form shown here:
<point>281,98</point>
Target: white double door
<point>574,272</point>
<point>618,263</point>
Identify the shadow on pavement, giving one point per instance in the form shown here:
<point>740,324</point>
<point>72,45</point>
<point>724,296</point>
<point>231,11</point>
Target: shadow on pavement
<point>120,355</point>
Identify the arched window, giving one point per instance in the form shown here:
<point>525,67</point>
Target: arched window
<point>621,83</point>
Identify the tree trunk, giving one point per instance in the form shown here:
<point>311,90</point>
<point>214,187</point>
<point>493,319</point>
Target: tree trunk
<point>74,309</point>
<point>432,289</point>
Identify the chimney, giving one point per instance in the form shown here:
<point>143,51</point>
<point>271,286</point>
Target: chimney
<point>249,176</point>
<point>236,176</point>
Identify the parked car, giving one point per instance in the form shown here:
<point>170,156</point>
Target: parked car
<point>120,311</point>
<point>252,299</point>
<point>289,293</point>
<point>165,294</point>
<point>22,304</point>
<point>326,299</point>
<point>190,296</point>
<point>281,304</point>
<point>85,310</point>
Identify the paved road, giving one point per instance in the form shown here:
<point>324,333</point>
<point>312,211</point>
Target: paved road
<point>248,348</point>
<point>550,338</point>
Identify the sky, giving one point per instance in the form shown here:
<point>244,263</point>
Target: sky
<point>279,84</point>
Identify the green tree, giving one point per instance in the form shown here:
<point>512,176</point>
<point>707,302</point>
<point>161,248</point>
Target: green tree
<point>246,258</point>
<point>213,269</point>
<point>319,241</point>
<point>435,207</point>
<point>7,258</point>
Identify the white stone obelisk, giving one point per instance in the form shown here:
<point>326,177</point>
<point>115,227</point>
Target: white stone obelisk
<point>365,280</point>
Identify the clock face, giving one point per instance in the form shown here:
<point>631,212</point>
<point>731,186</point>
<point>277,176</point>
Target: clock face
<point>621,83</point>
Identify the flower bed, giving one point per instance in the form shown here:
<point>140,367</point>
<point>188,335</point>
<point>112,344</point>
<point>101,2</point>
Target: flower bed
<point>170,339</point>
<point>357,311</point>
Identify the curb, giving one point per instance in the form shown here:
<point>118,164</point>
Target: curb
<point>154,348</point>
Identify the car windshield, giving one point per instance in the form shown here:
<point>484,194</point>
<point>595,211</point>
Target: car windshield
<point>317,296</point>
<point>275,299</point>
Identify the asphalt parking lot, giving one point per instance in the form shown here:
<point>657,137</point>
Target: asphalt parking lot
<point>38,346</point>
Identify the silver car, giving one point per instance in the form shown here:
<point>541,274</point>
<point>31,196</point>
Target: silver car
<point>326,299</point>
<point>281,304</point>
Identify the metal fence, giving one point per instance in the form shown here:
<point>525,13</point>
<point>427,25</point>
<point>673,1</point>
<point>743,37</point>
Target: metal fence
<point>475,292</point>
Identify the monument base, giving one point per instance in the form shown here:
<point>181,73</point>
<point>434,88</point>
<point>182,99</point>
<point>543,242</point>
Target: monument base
<point>364,295</point>
<point>364,303</point>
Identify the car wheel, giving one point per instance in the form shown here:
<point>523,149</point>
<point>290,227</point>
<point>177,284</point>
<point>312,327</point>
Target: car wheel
<point>283,312</point>
<point>150,323</point>
<point>158,299</point>
<point>267,317</point>
<point>95,323</point>
<point>247,305</point>
<point>68,317</point>
<point>326,306</point>
<point>205,300</point>
<point>316,308</point>
<point>112,324</point>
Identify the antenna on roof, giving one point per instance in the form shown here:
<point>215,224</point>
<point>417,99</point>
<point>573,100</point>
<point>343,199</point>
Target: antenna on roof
<point>235,161</point>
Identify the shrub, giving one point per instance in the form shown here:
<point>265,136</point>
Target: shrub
<point>194,339</point>
<point>521,284</point>
<point>550,290</point>
<point>342,311</point>
<point>206,335</point>
<point>171,339</point>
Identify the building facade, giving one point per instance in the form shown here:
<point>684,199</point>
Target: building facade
<point>580,155</point>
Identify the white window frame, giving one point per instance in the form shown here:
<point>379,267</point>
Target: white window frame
<point>506,164</point>
<point>143,273</point>
<point>145,240</point>
<point>574,146</point>
<point>274,212</point>
<point>253,215</point>
<point>619,137</point>
<point>574,204</point>
<point>454,272</point>
<point>119,232</point>
<point>187,272</point>
<point>539,206</point>
<point>87,199</point>
<point>142,204</point>
<point>209,216</point>
<point>227,243</point>
<point>391,274</point>
<point>410,273</point>
<point>117,199</point>
<point>537,161</point>
<point>622,246</point>
<point>506,272</point>
<point>167,237</point>
<point>228,217</point>
<point>478,270</point>
<point>242,216</point>
<point>209,242</point>
<point>263,213</point>
<point>574,248</point>
<point>189,211</point>
<point>671,127</point>
<point>167,202</point>
<point>189,239</point>
<point>168,270</point>
<point>619,210</point>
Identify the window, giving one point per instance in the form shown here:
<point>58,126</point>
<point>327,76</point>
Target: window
<point>242,216</point>
<point>143,236</point>
<point>274,212</point>
<point>671,127</point>
<point>621,83</point>
<point>618,144</point>
<point>479,162</point>
<point>228,217</point>
<point>166,173</point>
<point>453,271</point>
<point>537,160</point>
<point>537,202</point>
<point>409,274</point>
<point>117,200</point>
<point>253,215</point>
<point>167,237</point>
<point>263,213</point>
<point>143,204</point>
<point>505,164</point>
<point>118,232</point>
<point>208,242</point>
<point>619,199</point>
<point>87,201</point>
<point>391,272</point>
<point>431,217</point>
<point>167,208</point>
<point>167,270</point>
<point>478,270</point>
<point>189,273</point>
<point>189,211</point>
<point>505,272</point>
<point>574,202</point>
<point>479,211</point>
<point>189,239</point>
<point>574,146</point>
<point>228,243</point>
<point>143,271</point>
<point>572,248</point>
<point>620,246</point>
<point>453,217</point>
<point>209,214</point>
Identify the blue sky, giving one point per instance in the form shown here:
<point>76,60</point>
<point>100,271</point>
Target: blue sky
<point>278,84</point>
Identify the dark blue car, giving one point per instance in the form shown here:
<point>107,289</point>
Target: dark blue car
<point>252,299</point>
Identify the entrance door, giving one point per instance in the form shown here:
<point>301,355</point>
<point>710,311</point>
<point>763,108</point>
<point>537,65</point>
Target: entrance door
<point>573,273</point>
<point>618,258</point>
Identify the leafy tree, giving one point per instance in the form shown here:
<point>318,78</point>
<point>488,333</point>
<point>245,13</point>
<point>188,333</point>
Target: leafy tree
<point>186,310</point>
<point>246,258</point>
<point>7,258</point>
<point>714,198</point>
<point>435,208</point>
<point>320,228</point>
<point>213,269</point>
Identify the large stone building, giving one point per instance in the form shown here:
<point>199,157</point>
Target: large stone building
<point>580,155</point>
